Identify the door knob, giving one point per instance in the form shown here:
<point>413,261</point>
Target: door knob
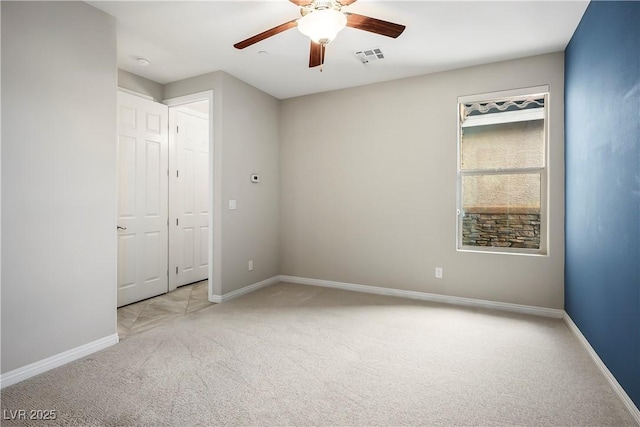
<point>121,228</point>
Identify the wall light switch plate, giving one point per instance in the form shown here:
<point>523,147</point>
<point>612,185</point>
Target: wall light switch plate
<point>251,265</point>
<point>438,272</point>
<point>232,204</point>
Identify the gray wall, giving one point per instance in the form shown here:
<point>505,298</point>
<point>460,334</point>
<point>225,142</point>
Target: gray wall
<point>140,84</point>
<point>246,142</point>
<point>58,178</point>
<point>368,191</point>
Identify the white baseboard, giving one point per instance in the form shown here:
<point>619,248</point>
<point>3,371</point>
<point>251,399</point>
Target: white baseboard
<point>35,368</point>
<point>617,388</point>
<point>424,296</point>
<point>245,290</point>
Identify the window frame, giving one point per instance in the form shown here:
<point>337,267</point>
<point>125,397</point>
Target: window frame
<point>537,91</point>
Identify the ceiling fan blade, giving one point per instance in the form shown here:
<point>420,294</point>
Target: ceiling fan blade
<point>374,25</point>
<point>302,2</point>
<point>316,54</point>
<point>266,34</point>
<point>346,2</point>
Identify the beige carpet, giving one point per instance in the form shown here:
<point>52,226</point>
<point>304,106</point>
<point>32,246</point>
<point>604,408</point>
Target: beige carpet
<point>300,355</point>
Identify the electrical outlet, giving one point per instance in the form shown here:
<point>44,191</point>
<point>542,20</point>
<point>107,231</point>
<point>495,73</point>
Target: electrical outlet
<point>438,272</point>
<point>250,265</point>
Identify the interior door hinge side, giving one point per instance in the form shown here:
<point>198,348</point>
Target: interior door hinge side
<point>176,269</point>
<point>177,221</point>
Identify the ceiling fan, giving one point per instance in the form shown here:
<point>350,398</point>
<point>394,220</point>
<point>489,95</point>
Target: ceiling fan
<point>321,21</point>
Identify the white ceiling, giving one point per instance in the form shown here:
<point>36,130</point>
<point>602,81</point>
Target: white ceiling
<point>187,38</point>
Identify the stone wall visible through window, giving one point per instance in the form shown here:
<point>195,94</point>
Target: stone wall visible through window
<point>501,229</point>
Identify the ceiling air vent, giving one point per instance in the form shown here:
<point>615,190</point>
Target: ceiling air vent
<point>368,55</point>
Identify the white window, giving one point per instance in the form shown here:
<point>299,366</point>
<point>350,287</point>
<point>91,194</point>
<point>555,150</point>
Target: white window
<point>502,171</point>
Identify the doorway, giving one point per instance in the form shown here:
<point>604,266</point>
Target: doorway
<point>165,177</point>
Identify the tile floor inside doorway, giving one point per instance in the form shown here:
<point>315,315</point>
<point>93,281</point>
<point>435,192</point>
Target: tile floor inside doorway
<point>144,315</point>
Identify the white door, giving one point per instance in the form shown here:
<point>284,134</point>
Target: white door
<point>189,195</point>
<point>142,198</point>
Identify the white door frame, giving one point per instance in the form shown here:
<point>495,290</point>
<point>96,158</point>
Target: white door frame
<point>215,193</point>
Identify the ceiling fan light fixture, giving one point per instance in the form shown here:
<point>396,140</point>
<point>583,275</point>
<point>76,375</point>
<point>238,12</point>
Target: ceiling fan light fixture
<point>322,25</point>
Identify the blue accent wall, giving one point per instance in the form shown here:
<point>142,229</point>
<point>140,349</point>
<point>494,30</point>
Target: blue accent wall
<point>602,155</point>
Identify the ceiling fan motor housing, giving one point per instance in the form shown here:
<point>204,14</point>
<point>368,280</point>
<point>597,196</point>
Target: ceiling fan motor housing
<point>320,5</point>
<point>325,4</point>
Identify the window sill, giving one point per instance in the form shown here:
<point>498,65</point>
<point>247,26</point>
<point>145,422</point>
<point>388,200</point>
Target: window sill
<point>502,251</point>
